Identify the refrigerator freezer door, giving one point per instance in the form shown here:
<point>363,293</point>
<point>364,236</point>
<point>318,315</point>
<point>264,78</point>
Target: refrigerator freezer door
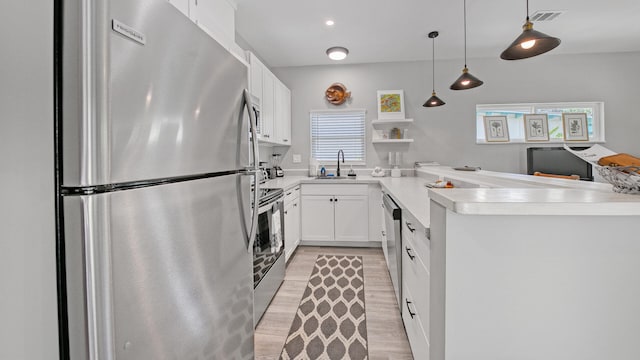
<point>147,94</point>
<point>161,272</point>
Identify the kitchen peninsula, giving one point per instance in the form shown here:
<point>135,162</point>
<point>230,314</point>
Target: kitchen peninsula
<point>522,267</point>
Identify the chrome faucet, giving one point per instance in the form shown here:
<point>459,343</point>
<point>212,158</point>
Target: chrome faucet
<point>338,169</point>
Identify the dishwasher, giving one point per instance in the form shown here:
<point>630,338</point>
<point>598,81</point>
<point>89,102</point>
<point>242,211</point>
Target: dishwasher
<point>393,224</point>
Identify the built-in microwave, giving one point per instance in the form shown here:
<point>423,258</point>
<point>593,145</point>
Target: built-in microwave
<point>255,107</point>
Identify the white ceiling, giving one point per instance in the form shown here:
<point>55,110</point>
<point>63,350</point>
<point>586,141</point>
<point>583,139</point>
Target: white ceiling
<point>293,33</point>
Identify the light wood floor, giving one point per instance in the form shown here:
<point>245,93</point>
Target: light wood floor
<point>386,336</point>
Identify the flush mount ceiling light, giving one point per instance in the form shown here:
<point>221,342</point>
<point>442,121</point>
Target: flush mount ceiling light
<point>329,22</point>
<point>530,43</point>
<point>433,101</point>
<point>337,53</point>
<point>466,80</point>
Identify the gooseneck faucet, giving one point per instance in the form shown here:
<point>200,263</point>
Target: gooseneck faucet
<point>338,169</point>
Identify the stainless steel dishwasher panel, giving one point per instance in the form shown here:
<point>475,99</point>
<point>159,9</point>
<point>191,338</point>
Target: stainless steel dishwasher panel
<point>393,222</point>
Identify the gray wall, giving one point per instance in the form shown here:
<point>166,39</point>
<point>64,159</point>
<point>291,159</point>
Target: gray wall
<point>447,134</point>
<point>28,312</point>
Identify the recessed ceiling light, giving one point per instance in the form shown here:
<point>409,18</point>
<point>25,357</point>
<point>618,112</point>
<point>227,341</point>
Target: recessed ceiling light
<point>337,53</point>
<point>329,22</point>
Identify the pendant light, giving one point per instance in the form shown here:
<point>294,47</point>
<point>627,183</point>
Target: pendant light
<point>433,101</point>
<point>466,80</point>
<point>530,43</point>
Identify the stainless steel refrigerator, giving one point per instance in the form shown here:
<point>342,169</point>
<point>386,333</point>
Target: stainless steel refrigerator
<point>156,170</point>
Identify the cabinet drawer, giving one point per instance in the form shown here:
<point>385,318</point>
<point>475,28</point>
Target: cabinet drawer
<point>416,280</point>
<point>415,330</point>
<point>334,189</point>
<point>416,238</point>
<point>291,194</point>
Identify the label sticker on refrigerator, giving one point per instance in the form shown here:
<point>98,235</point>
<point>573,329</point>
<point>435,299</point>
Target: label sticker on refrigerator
<point>128,31</point>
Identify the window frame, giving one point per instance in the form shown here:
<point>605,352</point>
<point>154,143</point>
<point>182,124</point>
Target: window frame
<point>364,134</point>
<point>597,121</point>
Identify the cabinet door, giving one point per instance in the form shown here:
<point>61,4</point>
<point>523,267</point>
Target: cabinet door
<point>216,17</point>
<point>268,105</point>
<point>255,78</point>
<point>283,114</point>
<point>317,218</point>
<point>182,5</point>
<point>289,231</point>
<point>296,222</point>
<point>351,218</point>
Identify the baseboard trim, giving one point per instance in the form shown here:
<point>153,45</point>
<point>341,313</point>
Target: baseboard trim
<point>363,244</point>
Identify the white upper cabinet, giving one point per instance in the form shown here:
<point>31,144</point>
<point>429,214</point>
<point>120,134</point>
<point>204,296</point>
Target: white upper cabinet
<point>182,5</point>
<point>275,103</point>
<point>216,17</point>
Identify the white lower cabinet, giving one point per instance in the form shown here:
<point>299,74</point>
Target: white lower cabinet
<point>338,213</point>
<point>291,221</point>
<point>415,285</point>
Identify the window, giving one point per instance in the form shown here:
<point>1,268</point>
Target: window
<point>515,119</point>
<point>332,131</point>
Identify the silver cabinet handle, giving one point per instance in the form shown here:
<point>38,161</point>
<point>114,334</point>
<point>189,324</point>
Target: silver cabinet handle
<point>383,234</point>
<point>411,257</point>
<point>286,212</point>
<point>285,140</point>
<point>409,308</point>
<point>409,226</point>
<point>296,204</point>
<point>289,193</point>
<point>427,233</point>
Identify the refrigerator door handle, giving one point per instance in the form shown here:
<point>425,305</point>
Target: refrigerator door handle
<point>253,169</point>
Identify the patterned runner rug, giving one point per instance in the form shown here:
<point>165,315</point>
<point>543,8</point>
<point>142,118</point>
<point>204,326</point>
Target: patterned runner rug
<point>330,322</point>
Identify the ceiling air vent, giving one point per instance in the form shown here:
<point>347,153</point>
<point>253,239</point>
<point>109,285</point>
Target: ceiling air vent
<point>545,15</point>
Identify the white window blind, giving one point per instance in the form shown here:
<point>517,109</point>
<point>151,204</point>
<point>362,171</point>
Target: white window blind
<point>332,131</point>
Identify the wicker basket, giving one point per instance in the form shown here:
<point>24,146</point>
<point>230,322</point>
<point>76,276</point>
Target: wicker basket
<point>625,179</point>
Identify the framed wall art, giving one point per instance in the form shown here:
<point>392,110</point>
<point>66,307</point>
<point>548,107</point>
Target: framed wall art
<point>575,127</point>
<point>496,129</point>
<point>390,104</point>
<point>536,127</point>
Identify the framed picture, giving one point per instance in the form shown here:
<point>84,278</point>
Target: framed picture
<point>575,127</point>
<point>496,129</point>
<point>390,104</point>
<point>536,127</point>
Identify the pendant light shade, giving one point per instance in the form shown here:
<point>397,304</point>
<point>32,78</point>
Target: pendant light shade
<point>433,101</point>
<point>466,80</point>
<point>530,43</point>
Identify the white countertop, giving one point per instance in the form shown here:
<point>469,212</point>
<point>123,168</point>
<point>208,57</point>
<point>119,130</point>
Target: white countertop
<point>536,202</point>
<point>499,194</point>
<point>410,192</point>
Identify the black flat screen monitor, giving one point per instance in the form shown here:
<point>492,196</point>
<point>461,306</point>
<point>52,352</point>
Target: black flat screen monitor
<point>557,160</point>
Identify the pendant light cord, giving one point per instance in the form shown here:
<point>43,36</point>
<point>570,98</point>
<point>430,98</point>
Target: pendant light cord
<point>465,33</point>
<point>433,64</point>
<point>527,10</point>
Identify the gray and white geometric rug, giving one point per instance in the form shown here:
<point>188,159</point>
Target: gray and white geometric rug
<point>330,322</point>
